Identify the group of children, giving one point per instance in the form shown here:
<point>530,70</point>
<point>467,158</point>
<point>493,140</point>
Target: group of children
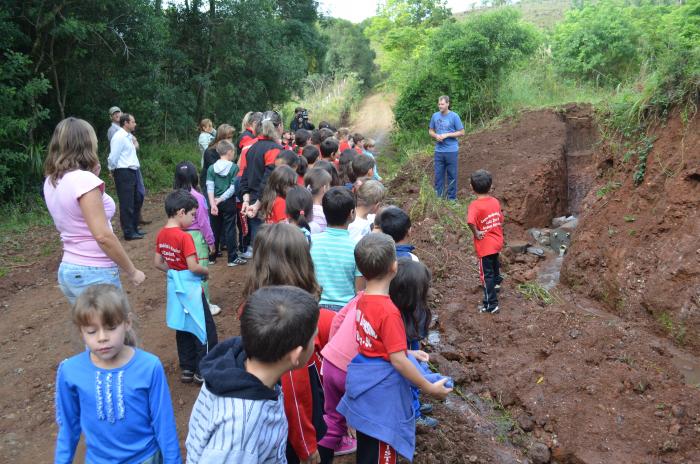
<point>328,361</point>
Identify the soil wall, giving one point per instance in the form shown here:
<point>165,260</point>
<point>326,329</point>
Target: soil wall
<point>636,248</point>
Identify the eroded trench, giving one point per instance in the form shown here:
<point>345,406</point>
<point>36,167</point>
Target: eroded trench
<point>552,241</point>
<point>549,243</point>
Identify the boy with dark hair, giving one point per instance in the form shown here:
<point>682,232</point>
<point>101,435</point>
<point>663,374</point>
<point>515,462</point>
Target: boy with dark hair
<point>301,139</point>
<point>315,138</point>
<point>222,203</point>
<point>332,251</point>
<point>362,166</point>
<point>239,414</point>
<point>311,153</point>
<point>325,133</point>
<point>329,148</point>
<point>485,220</point>
<point>378,401</point>
<point>394,222</point>
<point>187,310</point>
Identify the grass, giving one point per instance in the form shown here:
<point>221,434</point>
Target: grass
<point>535,291</point>
<point>607,188</point>
<point>535,85</point>
<point>158,163</point>
<point>676,330</point>
<point>330,99</point>
<point>542,13</point>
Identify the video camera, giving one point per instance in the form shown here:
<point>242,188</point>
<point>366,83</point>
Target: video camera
<point>303,115</point>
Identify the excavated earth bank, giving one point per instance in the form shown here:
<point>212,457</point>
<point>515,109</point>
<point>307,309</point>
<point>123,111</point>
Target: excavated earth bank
<point>571,382</point>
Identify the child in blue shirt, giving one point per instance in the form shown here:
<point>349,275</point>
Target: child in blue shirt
<point>114,393</point>
<point>333,251</point>
<point>394,222</point>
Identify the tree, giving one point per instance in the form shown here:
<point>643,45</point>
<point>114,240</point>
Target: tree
<point>348,50</point>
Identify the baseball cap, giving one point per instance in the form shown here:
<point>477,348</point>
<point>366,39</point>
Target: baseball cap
<point>113,110</point>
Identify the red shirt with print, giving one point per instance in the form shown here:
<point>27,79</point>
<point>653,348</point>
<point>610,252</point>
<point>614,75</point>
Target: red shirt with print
<point>486,215</point>
<point>175,245</point>
<point>380,329</point>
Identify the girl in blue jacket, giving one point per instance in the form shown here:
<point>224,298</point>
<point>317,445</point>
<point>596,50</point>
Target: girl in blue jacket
<point>114,393</point>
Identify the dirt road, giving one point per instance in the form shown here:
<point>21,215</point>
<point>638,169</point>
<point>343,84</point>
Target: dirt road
<point>374,118</point>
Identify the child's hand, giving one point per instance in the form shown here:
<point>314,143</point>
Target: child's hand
<point>313,459</point>
<point>420,355</point>
<point>214,210</point>
<point>217,201</point>
<point>212,249</point>
<point>352,433</point>
<point>480,234</point>
<point>438,389</point>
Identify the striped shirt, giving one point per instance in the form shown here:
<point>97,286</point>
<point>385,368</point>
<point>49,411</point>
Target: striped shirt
<point>227,430</point>
<point>333,254</point>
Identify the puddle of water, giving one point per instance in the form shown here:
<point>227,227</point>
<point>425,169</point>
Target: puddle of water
<point>549,271</point>
<point>434,337</point>
<point>688,365</point>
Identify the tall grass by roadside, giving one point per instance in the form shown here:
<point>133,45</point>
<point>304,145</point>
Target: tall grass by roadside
<point>535,84</point>
<point>327,98</point>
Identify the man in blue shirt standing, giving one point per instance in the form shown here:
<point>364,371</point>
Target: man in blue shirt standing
<point>445,127</point>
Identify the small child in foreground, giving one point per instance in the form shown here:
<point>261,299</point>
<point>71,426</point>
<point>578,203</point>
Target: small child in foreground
<point>114,393</point>
<point>187,309</point>
<point>485,220</point>
<point>239,414</point>
<point>281,257</point>
<point>377,400</point>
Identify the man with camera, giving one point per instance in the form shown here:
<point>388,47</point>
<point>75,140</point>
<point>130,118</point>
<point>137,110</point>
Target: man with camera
<point>301,120</point>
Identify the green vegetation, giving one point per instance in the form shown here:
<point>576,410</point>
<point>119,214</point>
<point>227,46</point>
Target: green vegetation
<point>607,188</point>
<point>328,98</point>
<point>535,291</point>
<point>677,330</point>
<point>467,61</point>
<point>542,13</point>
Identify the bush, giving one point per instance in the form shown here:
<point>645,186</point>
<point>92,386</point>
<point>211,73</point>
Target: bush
<point>599,43</point>
<point>158,163</point>
<point>466,61</point>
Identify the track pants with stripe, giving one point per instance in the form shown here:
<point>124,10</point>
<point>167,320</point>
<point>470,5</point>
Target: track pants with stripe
<point>490,273</point>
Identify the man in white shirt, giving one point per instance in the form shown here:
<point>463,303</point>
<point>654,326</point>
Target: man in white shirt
<point>114,113</point>
<point>125,167</point>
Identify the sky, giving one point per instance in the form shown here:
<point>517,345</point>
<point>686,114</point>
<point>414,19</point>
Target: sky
<point>357,10</point>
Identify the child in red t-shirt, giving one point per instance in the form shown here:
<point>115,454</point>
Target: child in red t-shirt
<point>273,201</point>
<point>485,219</point>
<point>175,250</point>
<point>381,334</point>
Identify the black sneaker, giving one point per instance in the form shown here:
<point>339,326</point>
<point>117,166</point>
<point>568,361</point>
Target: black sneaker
<point>198,379</point>
<point>187,376</point>
<point>484,309</point>
<point>237,262</point>
<point>497,287</point>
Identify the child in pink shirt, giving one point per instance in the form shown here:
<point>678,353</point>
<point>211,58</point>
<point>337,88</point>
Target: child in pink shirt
<point>337,354</point>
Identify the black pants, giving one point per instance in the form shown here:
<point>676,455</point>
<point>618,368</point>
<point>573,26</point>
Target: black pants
<point>490,277</point>
<point>224,228</point>
<point>372,451</point>
<point>130,200</point>
<point>189,349</point>
<point>325,453</point>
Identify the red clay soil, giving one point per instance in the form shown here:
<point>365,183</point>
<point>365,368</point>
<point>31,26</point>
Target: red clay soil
<point>636,249</point>
<point>568,382</point>
<point>567,378</point>
<point>36,334</point>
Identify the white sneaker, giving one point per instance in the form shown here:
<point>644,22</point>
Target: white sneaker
<point>248,253</point>
<point>214,309</point>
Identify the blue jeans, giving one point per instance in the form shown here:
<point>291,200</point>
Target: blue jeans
<point>446,162</point>
<point>74,279</point>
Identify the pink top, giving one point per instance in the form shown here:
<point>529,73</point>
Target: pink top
<point>79,245</point>
<point>342,346</point>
